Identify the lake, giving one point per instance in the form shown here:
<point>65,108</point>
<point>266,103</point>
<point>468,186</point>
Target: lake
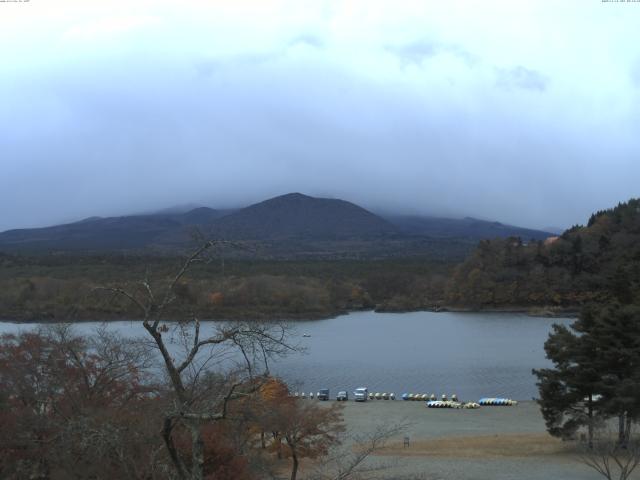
<point>469,354</point>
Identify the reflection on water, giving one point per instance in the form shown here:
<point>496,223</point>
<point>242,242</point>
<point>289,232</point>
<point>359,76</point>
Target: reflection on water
<point>470,354</point>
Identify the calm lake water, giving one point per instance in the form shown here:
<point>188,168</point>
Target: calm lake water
<point>470,354</point>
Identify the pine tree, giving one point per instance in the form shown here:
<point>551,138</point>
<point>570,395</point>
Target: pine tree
<point>570,393</point>
<point>616,329</point>
<point>596,372</point>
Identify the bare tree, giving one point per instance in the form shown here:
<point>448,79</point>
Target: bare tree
<point>200,396</point>
<point>610,458</point>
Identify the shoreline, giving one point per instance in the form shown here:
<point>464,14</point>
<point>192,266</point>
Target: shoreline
<point>533,312</point>
<point>537,311</point>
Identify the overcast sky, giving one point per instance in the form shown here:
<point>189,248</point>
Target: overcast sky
<point>523,112</point>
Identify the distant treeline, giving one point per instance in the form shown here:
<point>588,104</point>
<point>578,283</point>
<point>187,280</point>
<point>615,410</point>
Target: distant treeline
<point>48,288</point>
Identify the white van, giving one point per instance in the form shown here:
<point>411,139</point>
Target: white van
<point>361,394</point>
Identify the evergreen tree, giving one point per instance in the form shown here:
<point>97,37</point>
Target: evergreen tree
<point>570,393</point>
<point>616,330</point>
<point>596,372</point>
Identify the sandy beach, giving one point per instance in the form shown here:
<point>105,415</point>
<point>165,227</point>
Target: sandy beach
<point>497,443</point>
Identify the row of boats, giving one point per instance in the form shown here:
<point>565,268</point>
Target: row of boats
<point>425,397</point>
<point>452,404</point>
<point>382,396</point>
<point>430,399</point>
<point>500,402</point>
<point>483,402</point>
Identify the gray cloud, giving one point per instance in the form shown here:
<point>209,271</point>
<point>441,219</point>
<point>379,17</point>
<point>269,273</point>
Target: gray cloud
<point>416,53</point>
<point>213,65</point>
<point>209,66</point>
<point>307,40</point>
<point>521,77</point>
<point>189,110</point>
<point>119,147</point>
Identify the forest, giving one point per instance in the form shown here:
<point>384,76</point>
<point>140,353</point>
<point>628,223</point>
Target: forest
<point>591,263</point>
<point>63,288</point>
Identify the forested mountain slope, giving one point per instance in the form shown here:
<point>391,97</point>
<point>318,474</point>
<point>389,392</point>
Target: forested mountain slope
<point>468,227</point>
<point>599,261</point>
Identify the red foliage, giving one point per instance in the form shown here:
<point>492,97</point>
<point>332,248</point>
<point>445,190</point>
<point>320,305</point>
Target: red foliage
<point>61,395</point>
<point>222,461</point>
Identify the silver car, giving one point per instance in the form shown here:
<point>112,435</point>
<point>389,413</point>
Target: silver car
<point>361,394</point>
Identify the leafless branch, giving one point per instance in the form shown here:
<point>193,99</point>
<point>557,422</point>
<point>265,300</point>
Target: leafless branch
<point>126,294</point>
<point>198,397</point>
<point>351,463</point>
<point>611,459</point>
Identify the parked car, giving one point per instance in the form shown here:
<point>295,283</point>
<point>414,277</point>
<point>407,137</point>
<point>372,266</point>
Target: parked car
<point>343,396</point>
<point>323,394</point>
<point>361,394</point>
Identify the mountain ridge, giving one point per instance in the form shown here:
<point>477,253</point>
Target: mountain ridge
<point>470,227</point>
<point>280,221</point>
<point>298,215</point>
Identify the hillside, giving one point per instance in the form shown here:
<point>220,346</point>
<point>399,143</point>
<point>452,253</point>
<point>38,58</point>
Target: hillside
<point>599,261</point>
<point>288,226</point>
<point>109,234</point>
<point>462,228</point>
<point>299,216</point>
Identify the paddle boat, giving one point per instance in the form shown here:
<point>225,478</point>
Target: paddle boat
<point>501,402</point>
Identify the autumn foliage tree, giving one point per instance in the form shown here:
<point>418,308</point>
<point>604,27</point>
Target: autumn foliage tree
<point>67,406</point>
<point>297,429</point>
<point>310,431</point>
